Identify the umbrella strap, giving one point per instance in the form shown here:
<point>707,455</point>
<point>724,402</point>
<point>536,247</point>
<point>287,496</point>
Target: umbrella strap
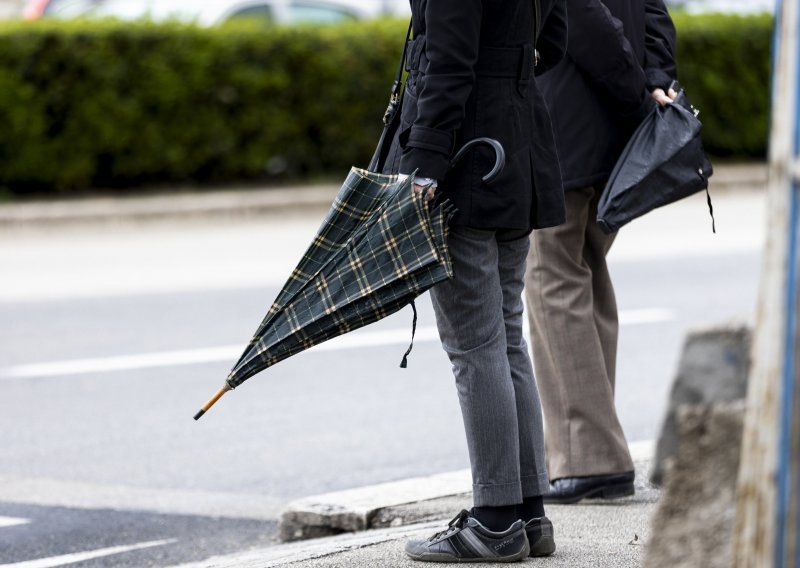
<point>404,362</point>
<point>711,212</point>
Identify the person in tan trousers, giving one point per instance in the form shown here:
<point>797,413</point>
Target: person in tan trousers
<point>619,64</point>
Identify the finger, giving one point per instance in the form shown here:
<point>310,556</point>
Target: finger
<point>431,193</point>
<point>662,98</point>
<point>655,93</point>
<point>672,94</point>
<point>418,189</point>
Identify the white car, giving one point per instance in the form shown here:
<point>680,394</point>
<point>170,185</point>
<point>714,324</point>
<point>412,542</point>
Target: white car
<point>212,12</point>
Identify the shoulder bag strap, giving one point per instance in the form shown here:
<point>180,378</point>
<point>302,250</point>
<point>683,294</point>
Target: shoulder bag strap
<point>392,111</point>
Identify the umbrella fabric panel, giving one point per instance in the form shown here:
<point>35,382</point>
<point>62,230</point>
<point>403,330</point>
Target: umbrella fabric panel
<point>664,133</point>
<point>361,195</point>
<point>360,313</point>
<point>678,179</point>
<point>356,270</point>
<point>357,315</point>
<point>396,245</point>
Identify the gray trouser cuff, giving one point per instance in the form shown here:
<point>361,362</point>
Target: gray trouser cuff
<point>496,495</point>
<point>535,485</point>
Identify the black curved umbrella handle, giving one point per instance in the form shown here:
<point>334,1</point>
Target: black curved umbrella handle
<point>499,153</point>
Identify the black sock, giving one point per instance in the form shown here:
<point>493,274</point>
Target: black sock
<point>496,519</point>
<point>531,508</point>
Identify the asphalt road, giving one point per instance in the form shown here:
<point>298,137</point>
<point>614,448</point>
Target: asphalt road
<point>111,338</point>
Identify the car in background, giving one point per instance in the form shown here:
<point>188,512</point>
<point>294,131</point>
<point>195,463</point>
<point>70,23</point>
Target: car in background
<point>723,6</point>
<point>213,12</point>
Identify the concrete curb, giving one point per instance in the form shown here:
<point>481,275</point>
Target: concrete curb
<point>242,203</point>
<point>356,509</point>
<point>291,553</point>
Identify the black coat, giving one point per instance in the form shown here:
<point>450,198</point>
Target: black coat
<point>618,51</point>
<point>471,75</point>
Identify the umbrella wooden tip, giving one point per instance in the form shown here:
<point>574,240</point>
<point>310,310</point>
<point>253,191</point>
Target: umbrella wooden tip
<point>213,401</point>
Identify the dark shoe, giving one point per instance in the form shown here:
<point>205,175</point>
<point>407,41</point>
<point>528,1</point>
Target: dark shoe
<point>467,540</point>
<point>572,489</point>
<point>540,537</point>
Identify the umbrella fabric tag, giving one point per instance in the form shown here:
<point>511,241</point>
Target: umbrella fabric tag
<point>404,362</point>
<point>711,212</point>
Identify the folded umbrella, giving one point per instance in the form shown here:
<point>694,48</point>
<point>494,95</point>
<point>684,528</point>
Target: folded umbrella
<point>663,162</point>
<point>380,247</point>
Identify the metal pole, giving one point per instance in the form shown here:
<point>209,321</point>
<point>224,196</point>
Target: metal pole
<point>765,532</point>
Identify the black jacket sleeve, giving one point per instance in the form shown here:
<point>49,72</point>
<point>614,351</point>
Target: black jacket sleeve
<point>659,67</point>
<point>452,41</point>
<point>552,42</point>
<point>601,51</point>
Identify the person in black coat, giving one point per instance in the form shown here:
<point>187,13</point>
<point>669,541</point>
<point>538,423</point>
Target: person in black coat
<point>472,74</point>
<point>619,64</point>
<point>472,67</point>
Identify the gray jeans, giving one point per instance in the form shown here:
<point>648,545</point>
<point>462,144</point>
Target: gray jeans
<point>479,316</point>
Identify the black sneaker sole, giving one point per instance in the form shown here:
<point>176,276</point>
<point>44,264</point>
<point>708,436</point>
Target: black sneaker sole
<point>442,557</point>
<point>541,539</point>
<point>545,546</point>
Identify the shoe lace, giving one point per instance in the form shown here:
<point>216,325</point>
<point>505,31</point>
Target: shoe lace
<point>455,525</point>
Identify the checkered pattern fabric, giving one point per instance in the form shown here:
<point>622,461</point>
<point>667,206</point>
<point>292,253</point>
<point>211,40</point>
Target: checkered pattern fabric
<point>379,247</point>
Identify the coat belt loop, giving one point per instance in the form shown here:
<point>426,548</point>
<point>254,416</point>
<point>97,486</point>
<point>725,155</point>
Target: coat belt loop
<point>410,55</point>
<point>526,68</point>
<point>416,49</point>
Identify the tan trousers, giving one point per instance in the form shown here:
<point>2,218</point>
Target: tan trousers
<point>574,328</point>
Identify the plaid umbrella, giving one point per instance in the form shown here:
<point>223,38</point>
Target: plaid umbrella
<point>378,248</point>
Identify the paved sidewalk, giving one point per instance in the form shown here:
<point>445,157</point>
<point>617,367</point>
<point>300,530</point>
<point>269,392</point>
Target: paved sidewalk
<point>591,534</point>
<point>236,203</point>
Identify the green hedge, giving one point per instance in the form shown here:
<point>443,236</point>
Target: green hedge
<point>112,105</point>
<point>724,64</point>
<point>118,105</point>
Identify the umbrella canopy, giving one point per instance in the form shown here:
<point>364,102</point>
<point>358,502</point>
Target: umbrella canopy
<point>663,162</point>
<point>380,246</point>
<point>361,194</point>
<point>379,270</point>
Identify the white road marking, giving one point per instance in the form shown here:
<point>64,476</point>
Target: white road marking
<point>65,559</point>
<point>231,352</point>
<point>123,363</point>
<point>645,316</point>
<point>12,522</point>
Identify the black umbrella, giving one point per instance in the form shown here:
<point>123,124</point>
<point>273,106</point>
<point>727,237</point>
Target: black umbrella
<point>663,162</point>
<point>379,247</point>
